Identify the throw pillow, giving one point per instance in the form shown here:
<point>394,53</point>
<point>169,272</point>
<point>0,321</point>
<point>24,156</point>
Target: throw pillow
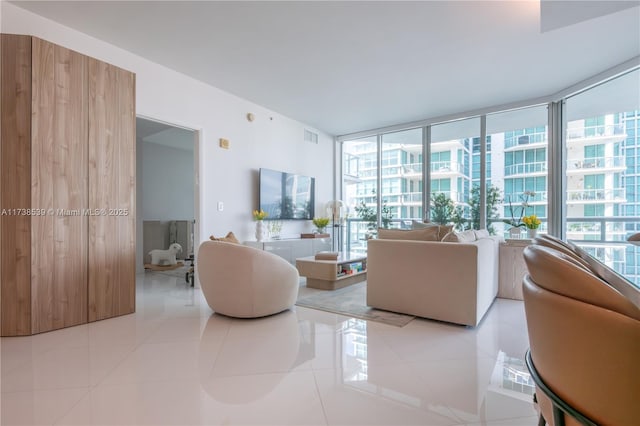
<point>451,237</point>
<point>443,229</point>
<point>229,238</point>
<point>460,237</point>
<point>481,233</point>
<point>425,234</point>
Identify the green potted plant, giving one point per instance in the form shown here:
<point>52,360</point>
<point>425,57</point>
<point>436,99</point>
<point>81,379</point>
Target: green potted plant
<point>320,223</point>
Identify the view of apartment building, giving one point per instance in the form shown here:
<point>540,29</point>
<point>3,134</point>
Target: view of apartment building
<point>602,200</point>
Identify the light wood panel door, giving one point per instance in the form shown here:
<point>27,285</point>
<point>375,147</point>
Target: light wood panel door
<point>15,184</point>
<point>111,191</point>
<point>67,167</point>
<point>59,173</point>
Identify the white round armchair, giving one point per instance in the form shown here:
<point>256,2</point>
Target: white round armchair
<point>243,282</point>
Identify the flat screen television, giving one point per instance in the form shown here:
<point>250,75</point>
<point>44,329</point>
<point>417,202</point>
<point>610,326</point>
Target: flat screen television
<point>286,196</point>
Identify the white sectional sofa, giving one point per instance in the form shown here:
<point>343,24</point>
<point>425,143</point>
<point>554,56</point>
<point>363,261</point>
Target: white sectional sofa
<point>448,281</point>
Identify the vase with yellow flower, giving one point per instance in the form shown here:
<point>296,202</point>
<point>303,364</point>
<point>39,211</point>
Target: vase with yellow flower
<point>518,213</point>
<point>259,216</point>
<point>532,223</point>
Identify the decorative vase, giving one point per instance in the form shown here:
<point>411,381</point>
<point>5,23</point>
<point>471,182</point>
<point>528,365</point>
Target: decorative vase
<point>321,230</point>
<point>259,231</point>
<point>531,233</point>
<point>514,233</point>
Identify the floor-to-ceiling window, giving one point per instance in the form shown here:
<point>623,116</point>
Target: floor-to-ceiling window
<point>599,165</point>
<point>516,167</point>
<point>451,171</point>
<point>360,190</point>
<point>401,169</point>
<point>602,197</point>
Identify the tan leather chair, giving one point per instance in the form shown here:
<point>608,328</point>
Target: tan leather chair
<point>597,268</point>
<point>634,237</point>
<point>240,281</point>
<point>557,240</point>
<point>584,340</point>
<point>562,247</point>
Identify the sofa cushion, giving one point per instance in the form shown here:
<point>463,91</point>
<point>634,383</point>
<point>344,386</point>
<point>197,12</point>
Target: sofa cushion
<point>424,234</point>
<point>442,229</point>
<point>460,237</point>
<point>229,238</point>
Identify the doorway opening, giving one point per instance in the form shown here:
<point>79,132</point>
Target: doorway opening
<point>167,191</point>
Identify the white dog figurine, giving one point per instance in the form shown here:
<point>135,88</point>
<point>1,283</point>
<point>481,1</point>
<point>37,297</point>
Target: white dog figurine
<point>165,257</point>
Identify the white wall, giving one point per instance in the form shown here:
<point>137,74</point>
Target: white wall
<point>167,183</point>
<point>272,140</point>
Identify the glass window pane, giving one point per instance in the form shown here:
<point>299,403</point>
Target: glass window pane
<point>518,170</point>
<point>401,178</point>
<point>360,188</point>
<point>603,192</point>
<point>451,146</point>
<point>601,142</point>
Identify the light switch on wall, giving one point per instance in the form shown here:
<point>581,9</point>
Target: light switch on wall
<point>220,206</point>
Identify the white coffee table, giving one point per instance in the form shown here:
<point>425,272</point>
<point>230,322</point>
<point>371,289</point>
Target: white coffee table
<point>330,274</point>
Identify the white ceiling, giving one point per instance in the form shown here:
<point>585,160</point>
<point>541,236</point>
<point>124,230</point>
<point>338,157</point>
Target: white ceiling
<point>350,66</point>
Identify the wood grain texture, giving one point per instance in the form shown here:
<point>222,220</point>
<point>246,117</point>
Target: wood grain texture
<point>15,184</point>
<point>59,175</point>
<point>127,191</point>
<point>111,191</point>
<point>71,172</point>
<point>42,138</point>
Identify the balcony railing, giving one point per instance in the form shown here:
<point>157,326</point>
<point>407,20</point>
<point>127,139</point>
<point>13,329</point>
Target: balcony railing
<point>526,168</point>
<point>596,229</point>
<point>392,171</point>
<point>596,195</point>
<point>602,229</point>
<point>518,197</point>
<point>446,166</point>
<point>412,169</point>
<point>524,140</point>
<point>589,164</point>
<point>412,197</point>
<point>595,131</point>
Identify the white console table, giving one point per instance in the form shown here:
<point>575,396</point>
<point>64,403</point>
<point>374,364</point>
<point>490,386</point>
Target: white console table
<point>291,249</point>
<point>512,268</point>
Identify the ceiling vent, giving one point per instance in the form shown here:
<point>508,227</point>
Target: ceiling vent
<point>310,136</point>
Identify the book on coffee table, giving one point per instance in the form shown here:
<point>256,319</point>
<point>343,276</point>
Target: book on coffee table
<point>314,235</point>
<point>327,255</point>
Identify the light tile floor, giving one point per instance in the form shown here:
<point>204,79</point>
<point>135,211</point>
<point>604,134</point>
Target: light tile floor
<point>174,363</point>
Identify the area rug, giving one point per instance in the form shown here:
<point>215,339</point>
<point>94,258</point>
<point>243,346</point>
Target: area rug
<point>352,301</point>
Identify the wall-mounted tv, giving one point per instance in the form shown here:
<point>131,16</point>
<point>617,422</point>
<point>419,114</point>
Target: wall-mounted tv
<point>286,196</point>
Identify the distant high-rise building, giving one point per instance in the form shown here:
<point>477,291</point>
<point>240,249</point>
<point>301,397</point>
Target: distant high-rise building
<point>602,179</point>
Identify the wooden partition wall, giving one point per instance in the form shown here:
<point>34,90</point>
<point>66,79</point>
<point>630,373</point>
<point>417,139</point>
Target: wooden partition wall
<point>112,165</point>
<point>67,167</point>
<point>15,184</point>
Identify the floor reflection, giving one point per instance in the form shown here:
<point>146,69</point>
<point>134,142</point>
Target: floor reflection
<point>174,362</point>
